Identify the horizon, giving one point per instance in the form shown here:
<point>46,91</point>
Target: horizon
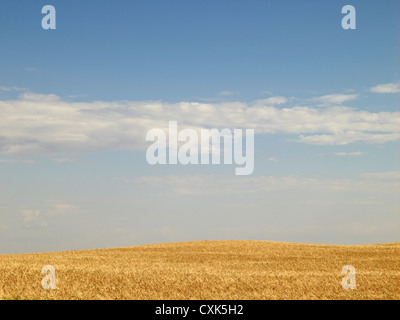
<point>196,241</point>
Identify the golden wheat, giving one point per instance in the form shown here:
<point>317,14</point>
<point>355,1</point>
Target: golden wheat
<point>207,270</point>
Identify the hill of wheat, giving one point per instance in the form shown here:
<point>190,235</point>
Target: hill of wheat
<point>207,270</point>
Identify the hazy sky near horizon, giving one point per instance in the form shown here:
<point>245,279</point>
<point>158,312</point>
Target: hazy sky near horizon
<point>76,104</point>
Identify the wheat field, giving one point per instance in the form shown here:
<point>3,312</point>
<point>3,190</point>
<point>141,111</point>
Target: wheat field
<point>229,270</point>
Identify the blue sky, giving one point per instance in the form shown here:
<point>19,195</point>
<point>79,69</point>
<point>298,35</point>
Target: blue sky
<point>178,50</point>
<point>76,103</point>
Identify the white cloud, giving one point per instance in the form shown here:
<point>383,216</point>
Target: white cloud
<point>390,175</point>
<point>32,219</point>
<point>12,88</point>
<point>179,185</point>
<point>30,215</point>
<point>335,99</point>
<point>74,96</point>
<point>386,88</point>
<point>63,160</point>
<point>271,101</point>
<point>270,93</point>
<point>228,93</point>
<point>344,154</point>
<point>348,137</point>
<point>38,218</point>
<point>349,154</point>
<point>59,208</point>
<point>45,124</point>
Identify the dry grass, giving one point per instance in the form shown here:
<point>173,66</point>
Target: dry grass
<point>207,270</point>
